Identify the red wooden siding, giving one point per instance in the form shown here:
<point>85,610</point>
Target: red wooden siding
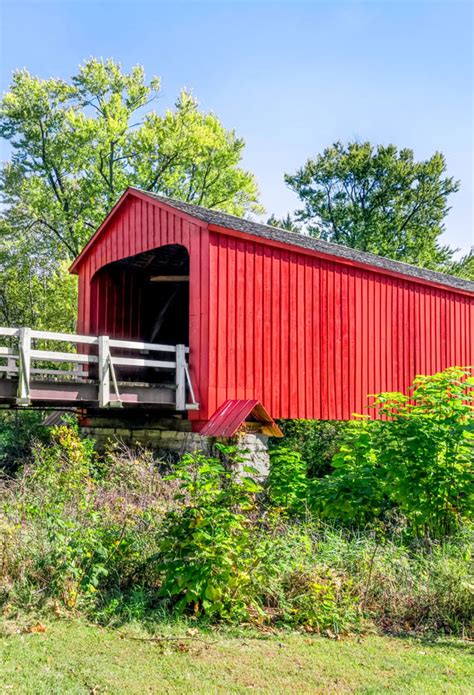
<point>311,337</point>
<point>307,335</point>
<point>138,226</point>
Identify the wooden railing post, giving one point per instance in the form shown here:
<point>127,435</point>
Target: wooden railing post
<point>180,377</point>
<point>24,367</point>
<point>11,367</point>
<point>104,371</point>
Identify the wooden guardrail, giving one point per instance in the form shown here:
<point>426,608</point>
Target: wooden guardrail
<point>22,358</point>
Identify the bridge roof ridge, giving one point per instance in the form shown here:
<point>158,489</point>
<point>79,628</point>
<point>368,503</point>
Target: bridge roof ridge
<point>221,221</point>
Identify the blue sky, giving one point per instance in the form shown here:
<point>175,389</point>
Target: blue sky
<point>291,77</point>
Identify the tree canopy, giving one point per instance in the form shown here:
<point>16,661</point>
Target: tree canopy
<point>378,199</point>
<point>286,223</point>
<point>76,145</point>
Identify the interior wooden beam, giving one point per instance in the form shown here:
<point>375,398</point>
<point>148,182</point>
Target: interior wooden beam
<point>170,278</point>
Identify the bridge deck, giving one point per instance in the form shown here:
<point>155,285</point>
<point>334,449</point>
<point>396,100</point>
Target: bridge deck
<point>92,379</point>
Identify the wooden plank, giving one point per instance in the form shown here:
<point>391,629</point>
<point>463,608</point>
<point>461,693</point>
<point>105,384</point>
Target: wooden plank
<point>323,315</point>
<point>221,391</point>
<point>169,278</point>
<point>213,323</point>
<point>59,372</point>
<point>24,366</point>
<point>4,352</point>
<point>240,324</point>
<point>104,371</point>
<point>135,362</point>
<point>63,357</point>
<point>137,345</point>
<point>14,332</point>
<point>65,337</point>
<point>231,320</point>
<point>180,378</point>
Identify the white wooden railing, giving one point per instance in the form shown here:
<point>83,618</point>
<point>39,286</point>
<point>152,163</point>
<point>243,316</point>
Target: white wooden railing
<point>24,355</point>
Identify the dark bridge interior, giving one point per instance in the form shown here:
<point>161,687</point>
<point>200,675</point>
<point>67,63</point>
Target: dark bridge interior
<point>144,297</point>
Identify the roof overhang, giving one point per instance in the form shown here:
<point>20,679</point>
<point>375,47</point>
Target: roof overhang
<point>232,416</point>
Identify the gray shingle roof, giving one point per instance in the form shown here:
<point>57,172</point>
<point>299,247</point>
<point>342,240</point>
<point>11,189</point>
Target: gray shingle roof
<point>221,219</point>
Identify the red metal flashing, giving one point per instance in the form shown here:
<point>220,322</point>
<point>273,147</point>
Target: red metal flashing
<point>231,415</point>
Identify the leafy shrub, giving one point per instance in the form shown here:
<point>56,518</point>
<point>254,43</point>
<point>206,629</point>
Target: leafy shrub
<point>419,459</point>
<point>205,553</point>
<point>427,450</point>
<point>355,492</point>
<point>19,429</point>
<point>320,600</point>
<point>117,541</point>
<point>287,480</point>
<point>68,533</point>
<point>423,586</point>
<point>316,440</point>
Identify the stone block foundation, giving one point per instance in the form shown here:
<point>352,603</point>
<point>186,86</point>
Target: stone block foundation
<point>173,437</point>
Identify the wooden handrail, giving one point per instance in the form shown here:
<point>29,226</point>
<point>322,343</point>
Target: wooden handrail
<point>20,363</point>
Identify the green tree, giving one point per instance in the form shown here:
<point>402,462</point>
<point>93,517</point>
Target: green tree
<point>77,145</point>
<point>32,293</point>
<point>287,223</point>
<point>464,267</point>
<point>377,199</point>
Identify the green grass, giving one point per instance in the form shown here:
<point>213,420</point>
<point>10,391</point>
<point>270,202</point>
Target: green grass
<point>73,657</point>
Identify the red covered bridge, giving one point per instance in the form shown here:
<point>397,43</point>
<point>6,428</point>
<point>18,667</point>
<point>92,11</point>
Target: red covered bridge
<point>305,327</point>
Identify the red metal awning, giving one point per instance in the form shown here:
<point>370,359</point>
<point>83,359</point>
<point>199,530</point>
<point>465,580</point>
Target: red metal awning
<point>231,415</point>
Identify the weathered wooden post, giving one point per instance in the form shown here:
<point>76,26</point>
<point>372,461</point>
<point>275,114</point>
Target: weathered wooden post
<point>104,371</point>
<point>180,377</point>
<point>24,367</point>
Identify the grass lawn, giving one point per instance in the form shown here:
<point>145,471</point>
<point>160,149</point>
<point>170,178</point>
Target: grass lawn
<point>74,657</point>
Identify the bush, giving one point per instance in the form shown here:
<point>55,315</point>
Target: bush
<point>296,587</point>
<point>73,532</point>
<point>419,459</point>
<point>115,540</point>
<point>316,440</point>
<point>205,553</point>
<point>287,480</point>
<point>355,492</point>
<point>19,429</point>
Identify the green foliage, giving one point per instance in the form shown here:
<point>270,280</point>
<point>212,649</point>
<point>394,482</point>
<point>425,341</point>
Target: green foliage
<point>76,146</point>
<point>464,267</point>
<point>296,587</point>
<point>70,533</point>
<point>419,459</point>
<point>287,480</point>
<point>333,580</point>
<point>76,551</point>
<point>114,540</point>
<point>354,492</point>
<point>19,430</point>
<point>287,223</point>
<point>316,440</point>
<point>31,297</point>
<point>378,199</point>
<point>205,553</point>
